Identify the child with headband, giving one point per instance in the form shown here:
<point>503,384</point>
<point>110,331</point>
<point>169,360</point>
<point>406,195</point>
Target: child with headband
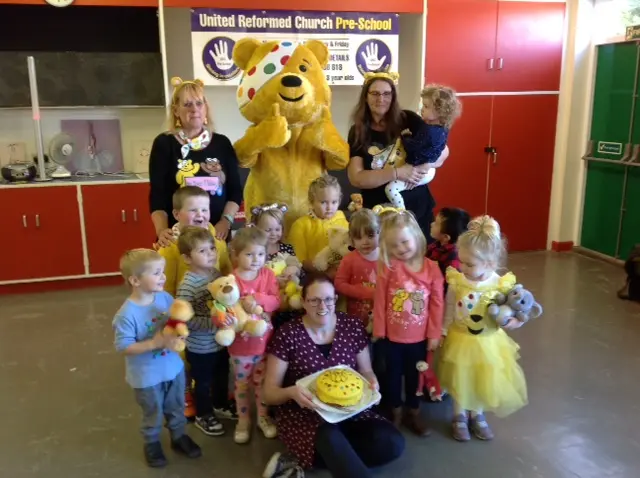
<point>478,365</point>
<point>440,108</point>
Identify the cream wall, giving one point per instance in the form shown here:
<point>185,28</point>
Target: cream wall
<point>574,116</point>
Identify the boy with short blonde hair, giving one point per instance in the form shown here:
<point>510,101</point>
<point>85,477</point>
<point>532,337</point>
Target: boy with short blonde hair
<point>190,208</point>
<point>153,369</point>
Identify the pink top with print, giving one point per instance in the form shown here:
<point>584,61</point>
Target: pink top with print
<point>409,306</point>
<point>356,279</point>
<point>264,288</point>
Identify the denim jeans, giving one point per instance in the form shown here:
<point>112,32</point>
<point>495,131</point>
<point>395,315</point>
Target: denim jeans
<point>162,401</point>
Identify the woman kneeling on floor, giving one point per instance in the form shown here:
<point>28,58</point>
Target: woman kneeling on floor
<point>320,339</point>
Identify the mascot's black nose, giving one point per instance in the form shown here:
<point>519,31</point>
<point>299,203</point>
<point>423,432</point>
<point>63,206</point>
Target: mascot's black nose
<point>476,318</point>
<point>291,81</point>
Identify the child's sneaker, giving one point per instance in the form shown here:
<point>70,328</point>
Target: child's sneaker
<point>461,428</point>
<point>209,425</point>
<point>480,428</point>
<point>267,426</point>
<point>228,412</point>
<point>186,446</point>
<point>243,432</point>
<point>154,455</point>
<point>281,466</point>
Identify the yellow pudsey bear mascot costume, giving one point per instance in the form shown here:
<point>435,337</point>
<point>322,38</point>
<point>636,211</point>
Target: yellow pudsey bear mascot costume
<point>284,93</point>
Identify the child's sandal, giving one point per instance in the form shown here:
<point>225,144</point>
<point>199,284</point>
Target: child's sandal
<point>481,428</point>
<point>461,428</point>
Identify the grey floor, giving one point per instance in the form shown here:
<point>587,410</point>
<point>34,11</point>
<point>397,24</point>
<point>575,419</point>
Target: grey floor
<point>66,411</point>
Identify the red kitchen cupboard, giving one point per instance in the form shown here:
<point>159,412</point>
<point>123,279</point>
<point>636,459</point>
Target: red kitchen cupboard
<point>500,56</point>
<point>462,181</point>
<point>529,46</point>
<point>116,219</point>
<point>519,186</point>
<point>461,43</point>
<point>487,45</point>
<point>43,236</point>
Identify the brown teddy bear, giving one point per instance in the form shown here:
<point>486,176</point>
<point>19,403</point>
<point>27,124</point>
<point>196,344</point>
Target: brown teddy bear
<point>356,202</point>
<point>180,313</point>
<point>226,305</point>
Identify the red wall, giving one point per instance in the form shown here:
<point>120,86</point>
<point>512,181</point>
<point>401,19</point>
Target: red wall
<point>382,6</point>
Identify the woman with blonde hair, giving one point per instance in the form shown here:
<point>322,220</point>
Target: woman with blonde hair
<point>191,153</point>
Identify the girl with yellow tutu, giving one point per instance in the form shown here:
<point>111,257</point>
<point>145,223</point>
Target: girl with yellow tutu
<point>478,365</point>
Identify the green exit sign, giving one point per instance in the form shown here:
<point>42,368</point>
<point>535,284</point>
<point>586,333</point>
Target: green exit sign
<point>607,147</point>
<point>633,33</point>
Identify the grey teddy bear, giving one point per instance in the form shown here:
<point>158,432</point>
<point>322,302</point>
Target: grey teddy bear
<point>518,303</point>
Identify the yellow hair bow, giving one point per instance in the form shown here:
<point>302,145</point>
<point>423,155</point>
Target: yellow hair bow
<point>381,209</point>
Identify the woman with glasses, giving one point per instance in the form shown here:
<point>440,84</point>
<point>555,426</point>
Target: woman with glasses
<point>323,338</point>
<point>374,142</point>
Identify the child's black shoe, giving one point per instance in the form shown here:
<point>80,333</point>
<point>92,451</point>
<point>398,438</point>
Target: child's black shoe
<point>186,446</point>
<point>154,455</point>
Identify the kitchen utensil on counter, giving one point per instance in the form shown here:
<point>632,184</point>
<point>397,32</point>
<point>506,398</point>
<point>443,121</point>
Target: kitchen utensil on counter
<point>19,172</point>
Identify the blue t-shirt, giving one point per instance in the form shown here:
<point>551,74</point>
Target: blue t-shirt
<point>135,323</point>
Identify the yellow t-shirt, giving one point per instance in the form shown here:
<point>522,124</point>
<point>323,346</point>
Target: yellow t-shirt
<point>176,267</point>
<point>309,235</point>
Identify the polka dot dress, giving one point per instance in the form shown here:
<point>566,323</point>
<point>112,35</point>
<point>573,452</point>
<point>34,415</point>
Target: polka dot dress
<point>297,426</point>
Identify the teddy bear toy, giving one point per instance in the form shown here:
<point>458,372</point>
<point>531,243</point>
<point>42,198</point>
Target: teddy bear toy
<point>227,305</point>
<point>332,254</point>
<point>292,294</point>
<point>427,379</point>
<point>287,270</point>
<point>518,303</point>
<point>180,313</point>
<point>356,202</point>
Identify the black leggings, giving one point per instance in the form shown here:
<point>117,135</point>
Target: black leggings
<point>401,360</point>
<point>348,449</point>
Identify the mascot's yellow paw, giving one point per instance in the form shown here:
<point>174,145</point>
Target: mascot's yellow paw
<point>274,131</point>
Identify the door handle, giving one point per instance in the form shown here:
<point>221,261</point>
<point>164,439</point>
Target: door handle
<point>490,64</point>
<point>37,220</point>
<point>24,220</point>
<point>124,216</point>
<point>494,151</point>
<point>500,63</point>
<point>135,215</point>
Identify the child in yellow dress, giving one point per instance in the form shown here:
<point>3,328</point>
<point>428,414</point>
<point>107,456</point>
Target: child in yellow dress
<point>310,234</point>
<point>478,365</point>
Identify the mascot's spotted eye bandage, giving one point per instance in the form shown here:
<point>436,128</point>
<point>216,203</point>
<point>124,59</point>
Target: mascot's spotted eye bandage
<point>270,66</point>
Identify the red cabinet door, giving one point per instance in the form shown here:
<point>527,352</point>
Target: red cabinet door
<point>462,179</point>
<point>44,235</point>
<point>461,43</point>
<point>529,46</point>
<point>519,193</point>
<point>116,219</point>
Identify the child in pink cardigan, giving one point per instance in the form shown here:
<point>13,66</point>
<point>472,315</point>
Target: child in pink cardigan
<point>258,286</point>
<point>356,276</point>
<point>408,309</point>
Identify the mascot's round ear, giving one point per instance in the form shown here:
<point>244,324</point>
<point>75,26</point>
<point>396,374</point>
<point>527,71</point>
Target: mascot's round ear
<point>243,51</point>
<point>320,50</point>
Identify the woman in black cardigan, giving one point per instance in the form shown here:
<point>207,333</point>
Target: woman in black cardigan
<point>190,153</point>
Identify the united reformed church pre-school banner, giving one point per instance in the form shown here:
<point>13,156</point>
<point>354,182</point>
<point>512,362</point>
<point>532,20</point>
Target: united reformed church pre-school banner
<point>358,42</point>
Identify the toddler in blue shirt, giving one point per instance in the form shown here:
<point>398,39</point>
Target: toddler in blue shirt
<point>153,369</point>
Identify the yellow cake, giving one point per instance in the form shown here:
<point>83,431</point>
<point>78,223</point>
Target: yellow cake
<point>339,387</point>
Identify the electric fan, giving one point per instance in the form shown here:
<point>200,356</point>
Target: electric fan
<point>61,151</point>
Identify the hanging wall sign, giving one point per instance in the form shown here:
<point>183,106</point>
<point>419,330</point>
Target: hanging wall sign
<point>633,33</point>
<point>358,42</point>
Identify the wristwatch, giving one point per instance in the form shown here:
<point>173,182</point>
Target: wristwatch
<point>229,218</point>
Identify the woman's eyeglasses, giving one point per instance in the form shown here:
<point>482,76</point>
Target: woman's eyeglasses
<point>328,301</point>
<point>384,94</point>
